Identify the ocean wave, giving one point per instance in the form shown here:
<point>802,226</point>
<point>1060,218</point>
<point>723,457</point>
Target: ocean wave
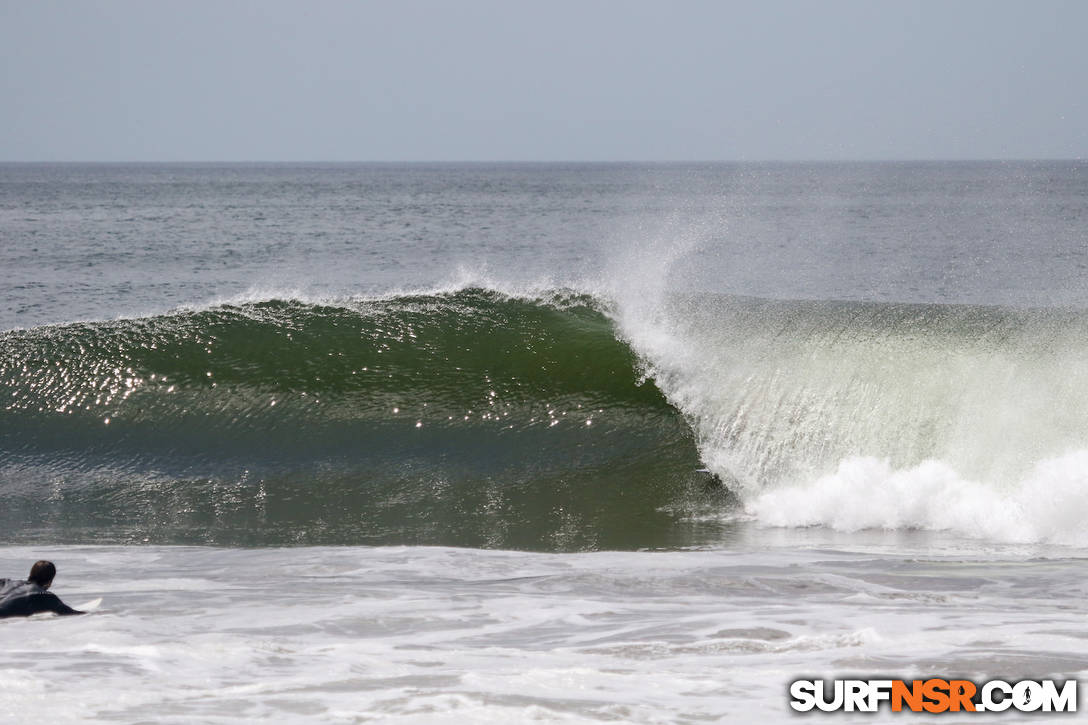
<point>546,418</point>
<point>467,416</point>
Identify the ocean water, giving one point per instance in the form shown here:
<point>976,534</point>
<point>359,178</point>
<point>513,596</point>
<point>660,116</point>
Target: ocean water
<point>575,443</point>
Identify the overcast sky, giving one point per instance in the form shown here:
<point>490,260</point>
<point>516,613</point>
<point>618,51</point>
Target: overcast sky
<point>549,80</point>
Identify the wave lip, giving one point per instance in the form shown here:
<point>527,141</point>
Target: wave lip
<point>852,415</point>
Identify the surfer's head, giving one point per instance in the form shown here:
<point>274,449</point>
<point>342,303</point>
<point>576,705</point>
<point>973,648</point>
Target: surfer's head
<point>42,573</point>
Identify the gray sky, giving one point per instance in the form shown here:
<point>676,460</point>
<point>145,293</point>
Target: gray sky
<point>555,80</point>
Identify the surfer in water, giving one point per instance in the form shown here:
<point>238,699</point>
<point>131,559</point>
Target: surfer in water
<point>22,598</point>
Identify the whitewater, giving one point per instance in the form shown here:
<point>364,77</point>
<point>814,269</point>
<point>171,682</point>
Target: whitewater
<point>573,443</point>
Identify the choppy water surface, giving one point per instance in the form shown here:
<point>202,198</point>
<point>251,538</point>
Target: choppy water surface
<point>457,635</point>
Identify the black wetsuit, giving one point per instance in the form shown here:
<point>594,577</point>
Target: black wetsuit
<point>21,599</point>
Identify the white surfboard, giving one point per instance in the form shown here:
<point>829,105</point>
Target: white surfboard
<point>89,606</point>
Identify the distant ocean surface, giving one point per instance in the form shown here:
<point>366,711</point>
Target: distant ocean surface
<point>567,442</point>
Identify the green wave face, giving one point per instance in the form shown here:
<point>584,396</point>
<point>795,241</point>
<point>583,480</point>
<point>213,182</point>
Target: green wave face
<point>467,418</point>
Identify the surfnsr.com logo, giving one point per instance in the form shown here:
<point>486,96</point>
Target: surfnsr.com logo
<point>933,695</point>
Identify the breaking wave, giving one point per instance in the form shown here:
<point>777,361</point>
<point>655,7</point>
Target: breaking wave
<point>558,421</point>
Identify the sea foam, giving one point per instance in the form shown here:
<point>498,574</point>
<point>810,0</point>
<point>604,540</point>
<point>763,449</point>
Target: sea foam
<point>1049,505</point>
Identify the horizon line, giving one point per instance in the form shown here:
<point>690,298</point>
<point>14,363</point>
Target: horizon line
<point>1009,159</point>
